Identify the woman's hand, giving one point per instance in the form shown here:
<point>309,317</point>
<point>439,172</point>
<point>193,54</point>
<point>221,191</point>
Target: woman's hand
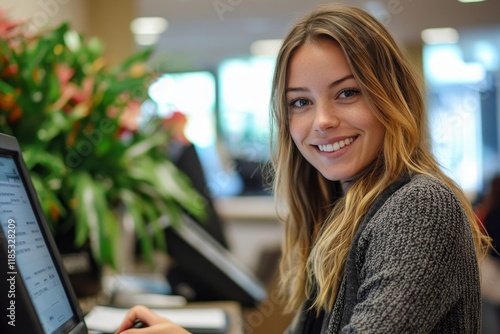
<point>155,323</point>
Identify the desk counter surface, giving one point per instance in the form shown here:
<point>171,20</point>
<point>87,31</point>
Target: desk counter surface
<point>255,208</point>
<point>233,310</point>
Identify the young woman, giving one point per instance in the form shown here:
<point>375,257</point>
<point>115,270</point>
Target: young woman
<point>377,238</point>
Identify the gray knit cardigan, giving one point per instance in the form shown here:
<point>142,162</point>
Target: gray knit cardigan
<point>411,269</point>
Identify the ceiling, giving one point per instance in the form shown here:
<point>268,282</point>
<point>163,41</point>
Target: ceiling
<point>203,32</point>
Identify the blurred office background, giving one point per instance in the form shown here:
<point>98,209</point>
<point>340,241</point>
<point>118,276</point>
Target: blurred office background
<point>216,59</point>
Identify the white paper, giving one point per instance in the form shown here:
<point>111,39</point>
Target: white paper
<point>108,319</point>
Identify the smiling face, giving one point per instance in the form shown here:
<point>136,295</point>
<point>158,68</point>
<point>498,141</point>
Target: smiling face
<point>330,122</point>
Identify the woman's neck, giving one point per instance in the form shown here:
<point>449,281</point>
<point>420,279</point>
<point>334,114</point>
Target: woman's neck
<point>346,184</point>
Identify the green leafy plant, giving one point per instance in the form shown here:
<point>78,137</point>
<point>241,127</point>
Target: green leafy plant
<point>90,159</point>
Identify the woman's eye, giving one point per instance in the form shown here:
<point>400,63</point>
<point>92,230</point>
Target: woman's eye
<point>348,93</point>
<point>299,103</point>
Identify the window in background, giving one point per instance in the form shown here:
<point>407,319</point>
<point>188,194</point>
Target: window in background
<point>244,100</point>
<point>462,106</point>
<point>193,94</point>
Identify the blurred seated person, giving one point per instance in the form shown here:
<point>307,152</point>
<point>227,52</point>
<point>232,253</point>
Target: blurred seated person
<point>184,156</point>
<point>184,279</point>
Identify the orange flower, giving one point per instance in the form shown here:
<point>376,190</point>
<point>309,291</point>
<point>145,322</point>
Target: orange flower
<point>54,212</point>
<point>10,70</point>
<point>7,102</point>
<point>129,116</point>
<point>9,29</point>
<point>84,95</point>
<point>71,93</point>
<point>64,73</point>
<point>16,114</point>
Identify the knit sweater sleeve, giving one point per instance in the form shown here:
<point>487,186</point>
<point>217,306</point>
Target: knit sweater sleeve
<point>417,265</point>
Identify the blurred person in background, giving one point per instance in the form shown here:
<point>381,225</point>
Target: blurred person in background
<point>488,213</point>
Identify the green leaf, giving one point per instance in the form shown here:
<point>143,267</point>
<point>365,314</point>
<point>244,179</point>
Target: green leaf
<point>5,88</point>
<point>48,199</point>
<point>95,46</point>
<point>171,180</point>
<point>110,238</point>
<point>144,146</point>
<point>95,220</point>
<point>138,57</point>
<point>37,156</point>
<point>52,127</point>
<point>72,40</point>
<point>133,210</point>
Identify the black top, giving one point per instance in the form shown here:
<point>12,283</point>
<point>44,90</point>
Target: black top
<point>492,226</point>
<point>186,159</point>
<point>314,321</point>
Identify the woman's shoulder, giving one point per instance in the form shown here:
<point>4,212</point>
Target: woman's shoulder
<point>419,181</point>
<point>423,215</point>
<point>423,201</point>
<point>422,189</point>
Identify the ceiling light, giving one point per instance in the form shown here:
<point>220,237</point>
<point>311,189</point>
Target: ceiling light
<point>439,36</point>
<point>470,1</point>
<point>146,39</point>
<point>148,25</point>
<point>266,47</point>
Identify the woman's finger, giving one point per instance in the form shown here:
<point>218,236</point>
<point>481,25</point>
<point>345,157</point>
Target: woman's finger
<point>141,313</point>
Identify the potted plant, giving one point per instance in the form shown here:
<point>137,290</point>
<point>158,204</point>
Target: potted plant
<point>89,157</point>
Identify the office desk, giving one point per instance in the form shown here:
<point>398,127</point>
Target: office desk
<point>233,309</point>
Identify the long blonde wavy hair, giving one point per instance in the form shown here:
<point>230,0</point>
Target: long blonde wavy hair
<point>321,221</point>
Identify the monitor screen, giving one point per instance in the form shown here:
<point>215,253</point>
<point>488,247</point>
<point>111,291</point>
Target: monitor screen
<point>34,278</point>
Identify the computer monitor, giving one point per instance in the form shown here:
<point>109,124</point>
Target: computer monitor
<point>36,294</point>
<point>203,270</point>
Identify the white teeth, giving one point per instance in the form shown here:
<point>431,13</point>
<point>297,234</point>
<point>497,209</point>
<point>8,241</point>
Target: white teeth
<point>335,146</point>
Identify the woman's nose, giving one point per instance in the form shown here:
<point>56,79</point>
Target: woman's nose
<point>325,118</point>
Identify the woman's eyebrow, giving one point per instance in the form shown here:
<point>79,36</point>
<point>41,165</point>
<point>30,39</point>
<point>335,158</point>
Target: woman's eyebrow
<point>339,81</point>
<point>332,85</point>
<point>295,89</point>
